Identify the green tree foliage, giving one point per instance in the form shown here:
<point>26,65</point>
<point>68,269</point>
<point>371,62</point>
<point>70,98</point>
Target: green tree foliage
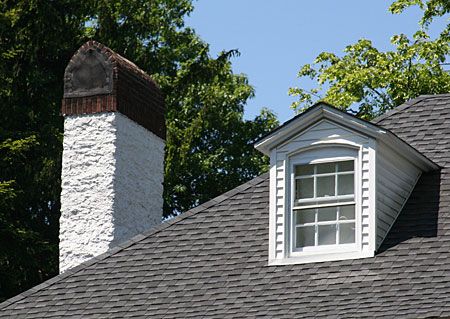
<point>209,144</point>
<point>36,41</point>
<point>377,81</point>
<point>431,9</point>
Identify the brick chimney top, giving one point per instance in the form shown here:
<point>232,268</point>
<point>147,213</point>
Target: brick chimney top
<point>99,80</point>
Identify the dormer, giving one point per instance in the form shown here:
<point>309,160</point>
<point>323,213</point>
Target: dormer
<point>337,185</point>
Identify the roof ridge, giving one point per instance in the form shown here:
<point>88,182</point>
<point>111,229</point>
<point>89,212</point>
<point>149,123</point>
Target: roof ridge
<point>135,239</point>
<point>408,104</point>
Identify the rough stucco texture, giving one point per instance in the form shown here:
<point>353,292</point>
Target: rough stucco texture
<point>112,174</point>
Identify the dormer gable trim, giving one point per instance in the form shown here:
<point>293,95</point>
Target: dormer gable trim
<point>322,111</point>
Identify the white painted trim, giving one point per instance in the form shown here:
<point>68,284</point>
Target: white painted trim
<point>323,145</point>
<point>323,111</point>
<point>287,194</point>
<point>272,205</point>
<point>325,249</point>
<point>321,253</point>
<point>372,197</point>
<point>358,198</point>
<point>318,123</point>
<point>321,258</point>
<point>331,204</point>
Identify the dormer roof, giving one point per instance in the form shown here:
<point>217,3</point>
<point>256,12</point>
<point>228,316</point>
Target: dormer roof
<point>321,111</point>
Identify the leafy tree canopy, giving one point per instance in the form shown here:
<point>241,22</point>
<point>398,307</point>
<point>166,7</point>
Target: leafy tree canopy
<point>377,81</point>
<point>209,144</point>
<point>431,9</point>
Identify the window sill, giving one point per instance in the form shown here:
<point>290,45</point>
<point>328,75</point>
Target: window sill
<point>307,258</point>
<point>323,250</point>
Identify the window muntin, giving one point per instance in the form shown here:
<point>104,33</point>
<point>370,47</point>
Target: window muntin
<point>324,182</point>
<point>323,205</point>
<point>333,225</point>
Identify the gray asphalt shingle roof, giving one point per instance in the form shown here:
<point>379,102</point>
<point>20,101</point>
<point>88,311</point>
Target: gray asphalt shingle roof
<point>212,261</point>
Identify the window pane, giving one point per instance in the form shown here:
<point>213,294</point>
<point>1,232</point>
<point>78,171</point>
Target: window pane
<point>346,184</point>
<point>305,216</point>
<point>327,214</point>
<point>346,233</point>
<point>304,188</point>
<point>304,170</point>
<point>305,236</point>
<point>327,234</point>
<point>346,166</point>
<point>347,212</point>
<point>325,186</point>
<point>326,168</point>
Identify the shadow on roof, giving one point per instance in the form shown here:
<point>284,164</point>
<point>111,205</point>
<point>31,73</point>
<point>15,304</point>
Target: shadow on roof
<point>419,217</point>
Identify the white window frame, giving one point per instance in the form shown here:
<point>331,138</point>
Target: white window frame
<point>308,156</point>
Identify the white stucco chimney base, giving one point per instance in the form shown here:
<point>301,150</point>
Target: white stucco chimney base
<point>112,175</point>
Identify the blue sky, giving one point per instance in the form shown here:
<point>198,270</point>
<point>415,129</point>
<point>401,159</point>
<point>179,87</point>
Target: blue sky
<point>276,37</point>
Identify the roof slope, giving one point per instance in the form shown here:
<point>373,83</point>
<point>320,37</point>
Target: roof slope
<point>212,262</point>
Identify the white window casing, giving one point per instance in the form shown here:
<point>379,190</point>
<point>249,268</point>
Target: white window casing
<point>335,155</point>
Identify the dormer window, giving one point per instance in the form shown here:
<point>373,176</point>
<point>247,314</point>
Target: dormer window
<point>322,211</point>
<point>337,185</point>
<point>323,207</point>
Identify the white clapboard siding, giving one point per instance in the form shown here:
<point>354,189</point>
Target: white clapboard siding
<point>396,178</point>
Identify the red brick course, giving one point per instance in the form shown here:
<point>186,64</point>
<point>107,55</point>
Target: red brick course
<point>134,93</point>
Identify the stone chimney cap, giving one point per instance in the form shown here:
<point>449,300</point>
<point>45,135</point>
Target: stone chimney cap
<point>97,79</point>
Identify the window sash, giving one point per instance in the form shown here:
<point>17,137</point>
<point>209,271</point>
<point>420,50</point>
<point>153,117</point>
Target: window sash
<point>337,222</point>
<point>328,222</point>
<point>323,174</point>
<point>316,215</point>
<point>317,202</point>
<point>315,176</point>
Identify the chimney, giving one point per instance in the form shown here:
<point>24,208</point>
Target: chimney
<point>112,166</point>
